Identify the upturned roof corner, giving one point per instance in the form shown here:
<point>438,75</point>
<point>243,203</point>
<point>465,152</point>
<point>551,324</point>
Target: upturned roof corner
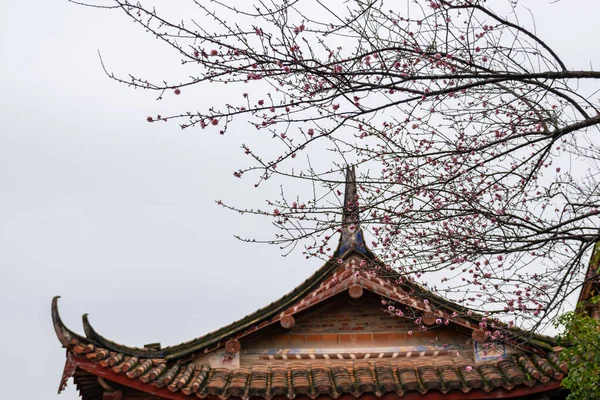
<point>64,334</point>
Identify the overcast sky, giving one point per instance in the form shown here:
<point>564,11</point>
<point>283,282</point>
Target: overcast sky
<point>117,215</point>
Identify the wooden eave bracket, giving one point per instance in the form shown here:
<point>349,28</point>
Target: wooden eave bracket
<point>68,371</point>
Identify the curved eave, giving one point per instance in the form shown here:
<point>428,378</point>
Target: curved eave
<point>92,335</point>
<point>212,339</point>
<point>64,334</point>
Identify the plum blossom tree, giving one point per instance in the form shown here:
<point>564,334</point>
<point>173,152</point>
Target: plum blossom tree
<point>475,143</point>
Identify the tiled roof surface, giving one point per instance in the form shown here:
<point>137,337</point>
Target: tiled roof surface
<point>334,378</point>
<point>332,282</point>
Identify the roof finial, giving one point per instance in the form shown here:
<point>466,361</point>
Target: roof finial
<point>352,235</point>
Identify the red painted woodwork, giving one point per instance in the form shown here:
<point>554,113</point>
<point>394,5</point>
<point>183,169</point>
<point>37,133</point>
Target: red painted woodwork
<point>116,395</point>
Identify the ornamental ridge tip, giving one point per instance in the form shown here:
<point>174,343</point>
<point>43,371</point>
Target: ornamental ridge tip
<point>62,332</point>
<point>352,236</point>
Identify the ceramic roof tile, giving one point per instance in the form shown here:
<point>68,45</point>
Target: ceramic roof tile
<point>331,378</point>
<point>168,377</point>
<point>492,375</point>
<point>300,379</point>
<point>429,377</point>
<point>471,376</point>
<point>364,377</point>
<point>321,379</point>
<point>217,383</point>
<point>185,378</point>
<point>449,376</point>
<point>385,376</point>
<point>153,373</point>
<point>129,364</point>
<point>341,379</point>
<point>196,382</point>
<point>512,372</point>
<point>259,378</point>
<point>408,376</point>
<point>279,380</point>
<point>141,369</point>
<point>237,384</point>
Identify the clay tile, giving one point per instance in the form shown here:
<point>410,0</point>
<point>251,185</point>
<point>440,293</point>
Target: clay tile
<point>141,369</point>
<point>115,359</point>
<point>186,376</point>
<point>172,386</point>
<point>512,372</point>
<point>557,362</point>
<point>97,355</point>
<point>300,379</point>
<point>217,381</point>
<point>470,375</point>
<point>118,368</point>
<point>492,375</point>
<point>529,367</point>
<point>408,376</point>
<point>543,365</point>
<point>385,376</point>
<point>168,377</point>
<point>82,348</point>
<point>321,379</point>
<point>449,376</point>
<point>129,364</point>
<point>190,388</point>
<point>153,373</point>
<point>429,377</point>
<point>279,380</point>
<point>341,378</point>
<point>238,382</point>
<point>364,377</point>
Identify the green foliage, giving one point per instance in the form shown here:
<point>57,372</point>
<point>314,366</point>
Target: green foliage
<point>581,339</point>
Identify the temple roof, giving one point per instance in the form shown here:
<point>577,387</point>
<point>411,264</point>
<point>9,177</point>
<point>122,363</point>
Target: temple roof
<point>352,264</point>
<point>352,267</point>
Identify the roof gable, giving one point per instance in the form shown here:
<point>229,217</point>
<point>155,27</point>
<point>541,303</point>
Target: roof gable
<point>352,268</point>
<point>355,273</point>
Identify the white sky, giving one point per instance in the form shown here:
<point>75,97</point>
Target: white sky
<point>117,215</point>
